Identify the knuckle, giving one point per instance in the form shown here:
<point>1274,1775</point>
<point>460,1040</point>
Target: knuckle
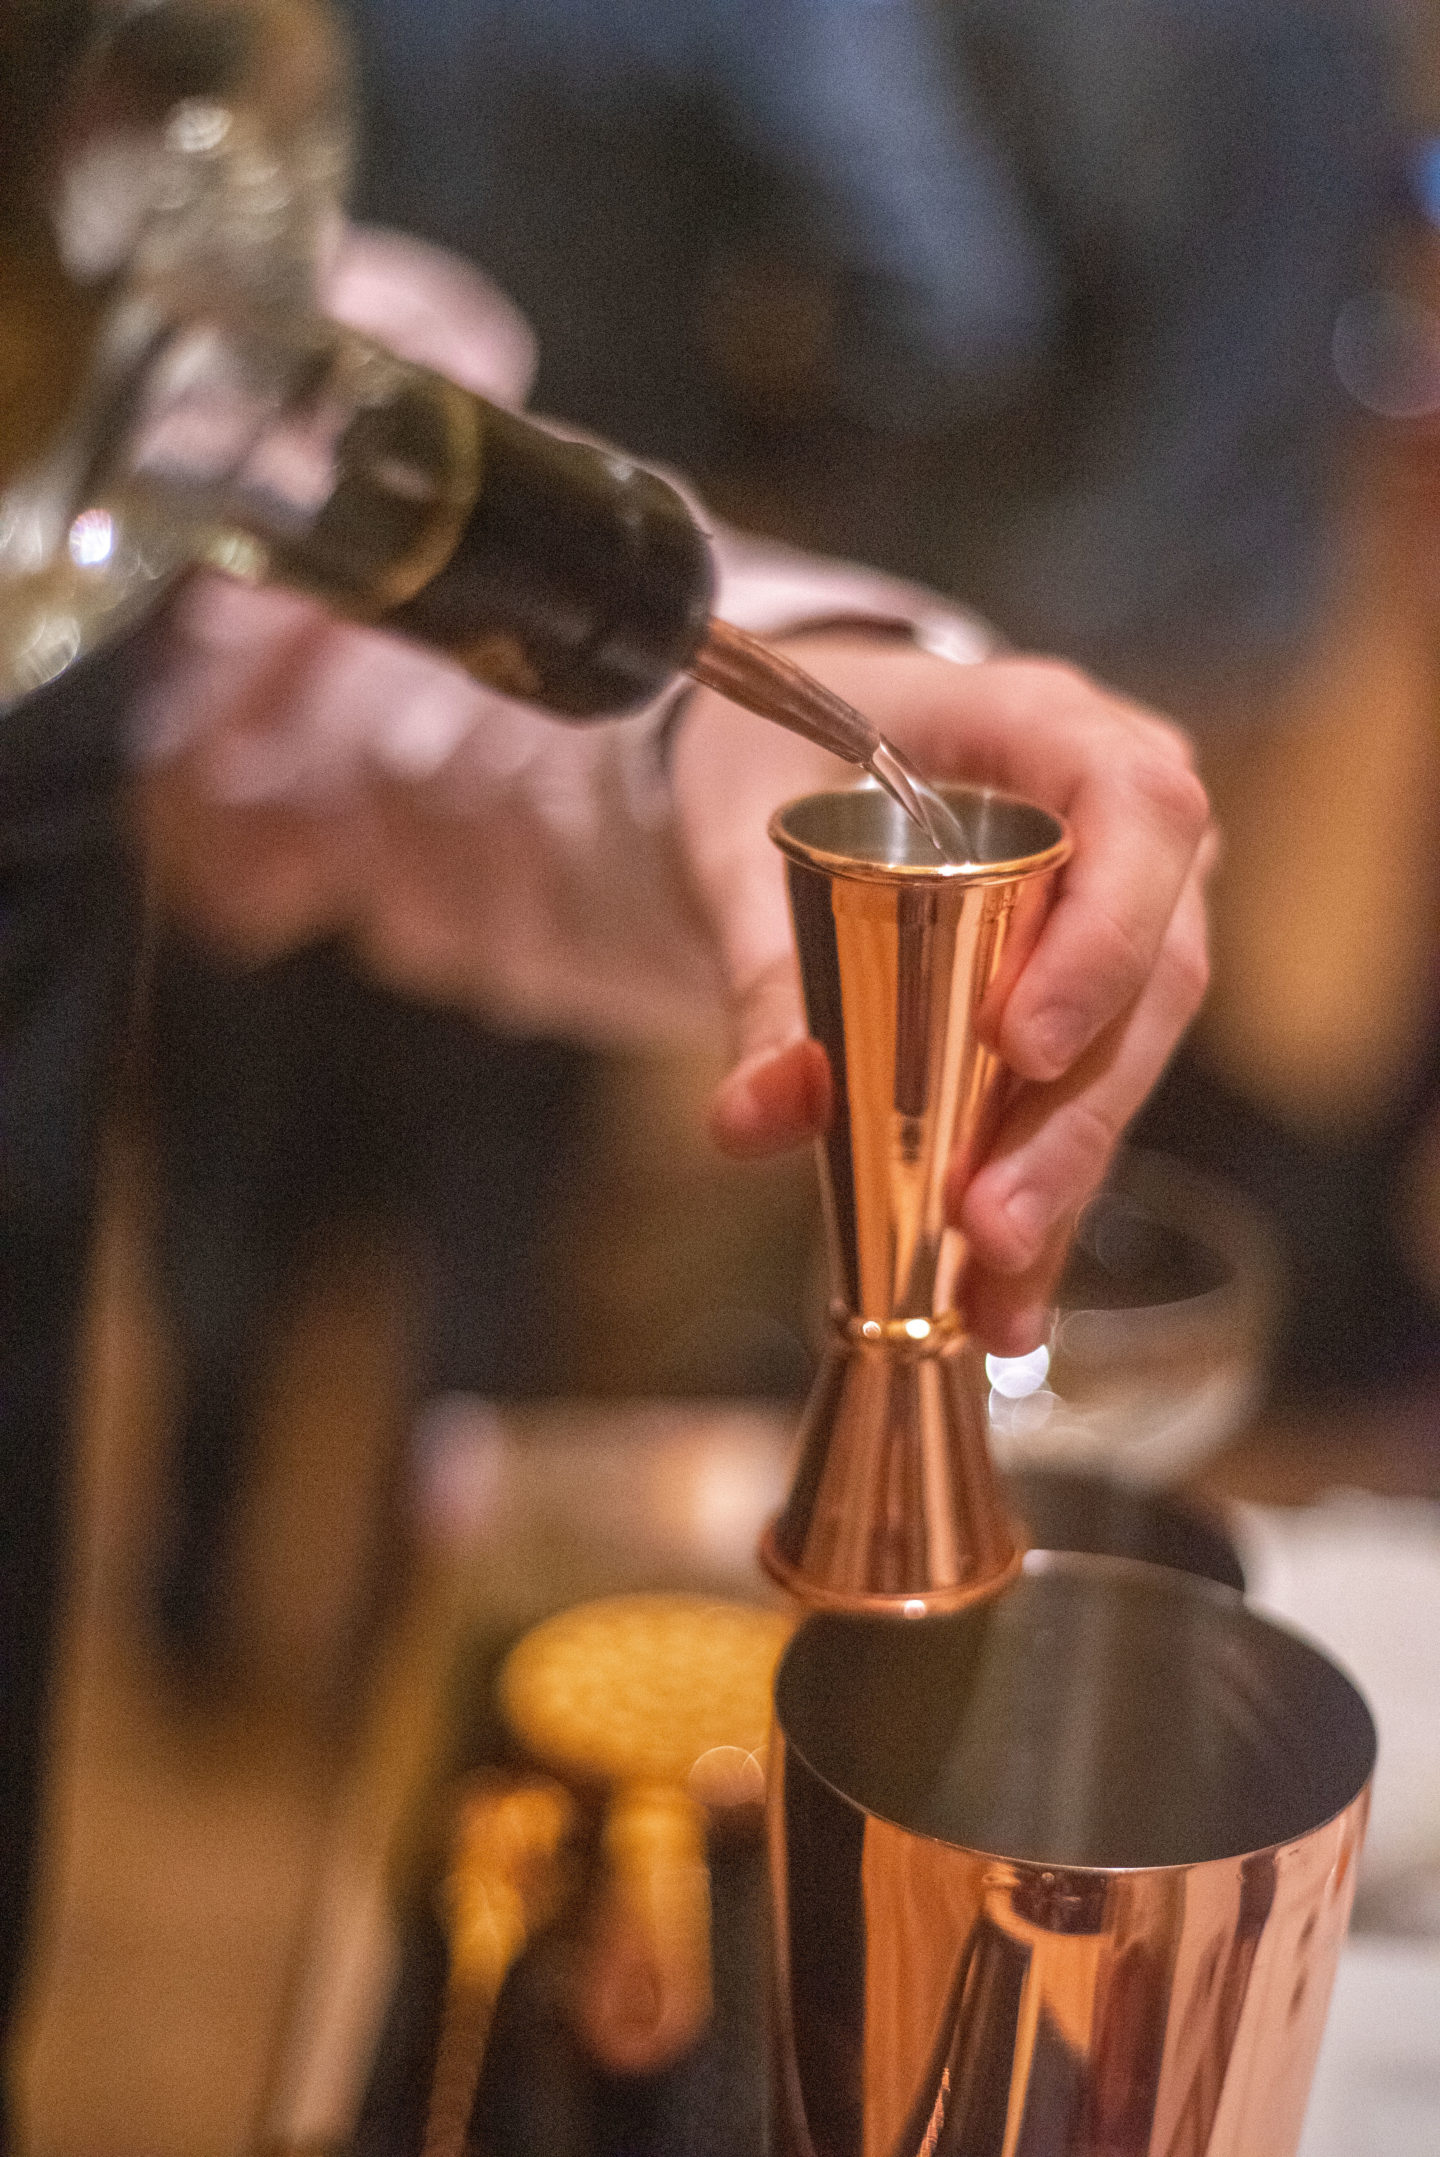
<point>1092,1132</point>
<point>771,982</point>
<point>1154,743</point>
<point>1061,681</point>
<point>1119,963</point>
<point>1046,687</point>
<point>1190,972</point>
<point>1171,789</point>
<point>1171,739</point>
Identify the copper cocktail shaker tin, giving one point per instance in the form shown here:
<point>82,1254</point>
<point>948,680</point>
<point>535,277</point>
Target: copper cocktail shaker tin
<point>1064,1875</point>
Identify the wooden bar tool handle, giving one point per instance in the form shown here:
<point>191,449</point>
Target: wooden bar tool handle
<point>644,1992</point>
<point>502,1885</point>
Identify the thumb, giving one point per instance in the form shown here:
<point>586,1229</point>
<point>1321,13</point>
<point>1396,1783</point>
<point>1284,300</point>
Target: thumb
<point>777,1093</point>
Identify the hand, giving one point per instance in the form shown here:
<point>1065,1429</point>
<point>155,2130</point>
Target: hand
<point>1116,976</point>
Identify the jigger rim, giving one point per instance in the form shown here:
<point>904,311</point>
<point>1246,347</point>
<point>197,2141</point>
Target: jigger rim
<point>1007,869</point>
<point>1353,1747</point>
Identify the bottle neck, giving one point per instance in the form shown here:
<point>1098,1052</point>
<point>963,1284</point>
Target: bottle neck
<point>303,454</point>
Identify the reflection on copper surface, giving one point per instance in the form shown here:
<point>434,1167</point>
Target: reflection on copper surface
<point>1063,1876</point>
<point>906,964</point>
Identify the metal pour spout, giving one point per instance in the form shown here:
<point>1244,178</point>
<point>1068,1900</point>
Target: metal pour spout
<point>740,667</point>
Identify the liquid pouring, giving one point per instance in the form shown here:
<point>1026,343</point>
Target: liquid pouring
<point>302,454</point>
<point>740,667</point>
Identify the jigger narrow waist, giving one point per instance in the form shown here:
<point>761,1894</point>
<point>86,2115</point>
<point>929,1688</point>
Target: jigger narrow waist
<point>926,1336</point>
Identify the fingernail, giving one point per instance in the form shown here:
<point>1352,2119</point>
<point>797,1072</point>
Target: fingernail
<point>1028,1216</point>
<point>738,1091</point>
<point>1058,1032</point>
<point>742,1073</point>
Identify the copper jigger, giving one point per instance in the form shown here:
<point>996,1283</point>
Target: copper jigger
<point>904,960</point>
<point>1066,1875</point>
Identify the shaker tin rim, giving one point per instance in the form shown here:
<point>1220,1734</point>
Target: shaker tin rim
<point>1182,1587</point>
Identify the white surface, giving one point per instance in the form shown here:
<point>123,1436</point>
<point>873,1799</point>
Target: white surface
<point>1361,1576</point>
<point>1377,2086</point>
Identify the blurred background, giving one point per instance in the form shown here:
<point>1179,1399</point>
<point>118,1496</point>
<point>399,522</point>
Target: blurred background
<point>1118,322</point>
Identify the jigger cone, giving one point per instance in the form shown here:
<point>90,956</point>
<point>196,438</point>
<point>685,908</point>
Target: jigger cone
<point>895,1505</point>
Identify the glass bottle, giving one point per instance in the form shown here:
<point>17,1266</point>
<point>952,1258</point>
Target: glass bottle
<point>169,190</point>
